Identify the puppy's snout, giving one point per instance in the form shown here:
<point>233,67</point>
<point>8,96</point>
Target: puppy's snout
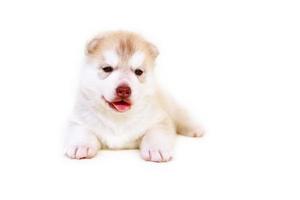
<point>123,91</point>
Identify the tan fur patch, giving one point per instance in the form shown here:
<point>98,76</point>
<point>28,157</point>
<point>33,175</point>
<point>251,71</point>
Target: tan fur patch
<point>124,43</point>
<point>126,47</point>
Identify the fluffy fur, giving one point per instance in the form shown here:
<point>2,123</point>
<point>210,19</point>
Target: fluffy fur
<point>149,121</point>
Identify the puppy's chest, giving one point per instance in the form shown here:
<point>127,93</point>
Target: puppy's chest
<point>123,135</point>
<point>120,137</point>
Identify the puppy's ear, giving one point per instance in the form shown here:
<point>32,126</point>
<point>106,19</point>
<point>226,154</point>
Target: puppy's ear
<point>153,50</point>
<point>93,45</point>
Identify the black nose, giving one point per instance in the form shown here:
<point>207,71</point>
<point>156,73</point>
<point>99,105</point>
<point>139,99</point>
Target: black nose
<point>123,91</point>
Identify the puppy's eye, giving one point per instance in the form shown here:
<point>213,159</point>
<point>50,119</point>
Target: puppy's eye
<point>107,69</point>
<point>138,72</point>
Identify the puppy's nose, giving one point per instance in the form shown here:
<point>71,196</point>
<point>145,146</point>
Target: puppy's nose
<point>123,91</point>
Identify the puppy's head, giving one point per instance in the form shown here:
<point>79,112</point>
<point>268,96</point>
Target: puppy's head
<point>119,70</point>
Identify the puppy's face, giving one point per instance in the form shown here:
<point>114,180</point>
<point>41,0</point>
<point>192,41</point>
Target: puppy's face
<point>119,70</point>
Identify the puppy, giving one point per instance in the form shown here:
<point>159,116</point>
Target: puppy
<point>120,106</point>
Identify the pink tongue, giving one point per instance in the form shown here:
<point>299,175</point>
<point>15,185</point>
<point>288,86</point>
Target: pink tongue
<point>121,107</point>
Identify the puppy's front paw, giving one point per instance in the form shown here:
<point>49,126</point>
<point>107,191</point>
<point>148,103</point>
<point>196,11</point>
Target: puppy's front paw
<point>81,151</point>
<point>156,155</point>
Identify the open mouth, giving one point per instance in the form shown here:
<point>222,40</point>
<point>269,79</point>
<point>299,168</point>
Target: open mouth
<point>119,105</point>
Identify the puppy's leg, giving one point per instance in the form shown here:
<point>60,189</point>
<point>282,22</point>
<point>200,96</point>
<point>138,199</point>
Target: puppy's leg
<point>185,125</point>
<point>80,143</point>
<point>158,142</point>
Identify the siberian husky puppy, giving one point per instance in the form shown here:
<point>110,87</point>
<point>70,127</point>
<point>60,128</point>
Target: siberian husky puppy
<point>120,106</point>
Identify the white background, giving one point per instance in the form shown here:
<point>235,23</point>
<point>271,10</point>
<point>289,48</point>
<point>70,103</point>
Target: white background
<point>234,64</point>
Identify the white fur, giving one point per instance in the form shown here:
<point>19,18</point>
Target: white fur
<point>111,57</point>
<point>137,59</point>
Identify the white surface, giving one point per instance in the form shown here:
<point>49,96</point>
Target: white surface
<point>235,64</point>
